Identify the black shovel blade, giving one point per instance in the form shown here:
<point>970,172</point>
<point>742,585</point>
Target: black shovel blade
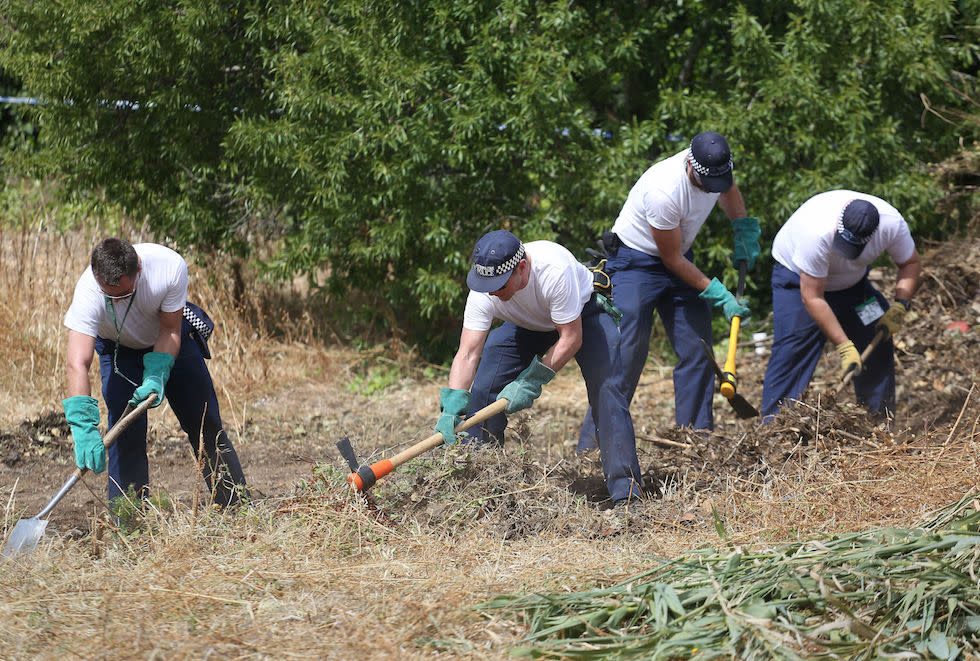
<point>739,404</point>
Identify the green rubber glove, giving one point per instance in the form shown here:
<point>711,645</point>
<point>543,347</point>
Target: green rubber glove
<point>156,371</point>
<point>850,359</point>
<point>82,414</point>
<point>608,307</point>
<point>453,404</point>
<point>716,294</point>
<point>893,319</point>
<point>522,391</point>
<point>747,233</point>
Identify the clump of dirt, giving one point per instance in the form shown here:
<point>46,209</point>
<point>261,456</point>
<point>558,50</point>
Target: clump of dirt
<point>505,491</point>
<point>794,434</point>
<point>47,434</point>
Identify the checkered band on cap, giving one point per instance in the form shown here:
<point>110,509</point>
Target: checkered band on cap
<point>199,324</point>
<point>490,271</point>
<point>705,171</point>
<point>848,235</point>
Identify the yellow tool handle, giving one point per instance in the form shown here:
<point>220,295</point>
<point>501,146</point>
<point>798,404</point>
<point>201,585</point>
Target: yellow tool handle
<point>728,385</point>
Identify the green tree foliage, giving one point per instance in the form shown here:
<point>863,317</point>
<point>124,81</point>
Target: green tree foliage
<point>137,101</point>
<point>14,129</point>
<point>376,141</point>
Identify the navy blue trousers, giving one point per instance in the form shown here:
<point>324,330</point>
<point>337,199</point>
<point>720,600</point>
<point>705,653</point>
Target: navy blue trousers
<point>798,344</point>
<point>190,393</point>
<point>642,285</point>
<point>509,349</point>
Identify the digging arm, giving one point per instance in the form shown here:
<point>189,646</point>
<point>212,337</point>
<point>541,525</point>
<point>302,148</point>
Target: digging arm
<point>168,341</point>
<point>811,291</point>
<point>909,272</point>
<point>467,359</point>
<point>732,204</point>
<point>568,344</point>
<point>81,349</point>
<point>669,244</point>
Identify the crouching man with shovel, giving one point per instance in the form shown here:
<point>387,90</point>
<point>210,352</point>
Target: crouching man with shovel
<point>130,307</point>
<point>821,291</point>
<point>550,313</point>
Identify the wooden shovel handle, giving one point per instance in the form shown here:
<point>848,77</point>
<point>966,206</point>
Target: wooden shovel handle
<point>365,476</point>
<point>879,336</point>
<point>129,415</point>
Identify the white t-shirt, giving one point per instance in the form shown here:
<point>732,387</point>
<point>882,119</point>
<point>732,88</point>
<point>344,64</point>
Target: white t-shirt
<point>161,287</point>
<point>663,198</point>
<point>805,242</point>
<point>557,290</point>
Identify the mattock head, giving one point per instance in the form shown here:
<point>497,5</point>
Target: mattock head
<point>347,452</point>
<point>364,472</point>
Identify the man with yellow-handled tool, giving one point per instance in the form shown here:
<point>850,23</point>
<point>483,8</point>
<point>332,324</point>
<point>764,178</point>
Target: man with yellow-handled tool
<point>650,262</point>
<point>821,291</point>
<point>550,313</point>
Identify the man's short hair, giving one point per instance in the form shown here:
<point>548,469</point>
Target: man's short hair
<point>112,259</point>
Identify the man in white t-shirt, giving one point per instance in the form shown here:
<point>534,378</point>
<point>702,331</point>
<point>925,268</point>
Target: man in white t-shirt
<point>651,268</point>
<point>821,291</point>
<point>545,299</point>
<point>129,308</point>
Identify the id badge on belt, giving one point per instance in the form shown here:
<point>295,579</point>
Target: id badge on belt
<point>869,312</point>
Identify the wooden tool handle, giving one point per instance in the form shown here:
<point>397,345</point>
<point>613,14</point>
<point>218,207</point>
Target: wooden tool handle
<point>879,336</point>
<point>129,415</point>
<point>365,476</point>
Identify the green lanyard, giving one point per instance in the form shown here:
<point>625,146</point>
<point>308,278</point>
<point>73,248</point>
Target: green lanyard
<point>119,327</point>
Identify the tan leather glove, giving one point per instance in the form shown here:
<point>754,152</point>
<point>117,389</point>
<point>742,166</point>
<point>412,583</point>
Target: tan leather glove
<point>893,319</point>
<point>849,357</point>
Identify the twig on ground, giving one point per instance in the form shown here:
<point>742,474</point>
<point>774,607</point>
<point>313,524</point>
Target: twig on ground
<point>664,442</point>
<point>952,431</point>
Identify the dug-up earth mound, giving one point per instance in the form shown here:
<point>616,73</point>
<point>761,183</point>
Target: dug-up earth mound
<point>537,483</point>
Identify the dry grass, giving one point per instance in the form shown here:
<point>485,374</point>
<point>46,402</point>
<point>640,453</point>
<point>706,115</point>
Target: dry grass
<point>318,574</point>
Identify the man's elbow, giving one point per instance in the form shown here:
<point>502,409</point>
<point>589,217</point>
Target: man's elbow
<point>911,264</point>
<point>75,370</point>
<point>674,265</point>
<point>466,358</point>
